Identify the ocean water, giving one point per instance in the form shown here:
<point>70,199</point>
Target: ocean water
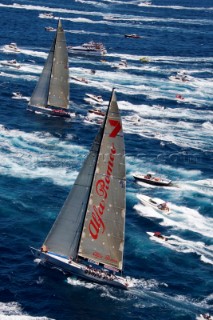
<point>41,156</point>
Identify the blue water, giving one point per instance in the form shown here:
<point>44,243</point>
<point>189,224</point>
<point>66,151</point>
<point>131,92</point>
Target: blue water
<point>41,156</point>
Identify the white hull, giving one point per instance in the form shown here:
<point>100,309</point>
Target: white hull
<point>86,52</point>
<point>153,203</point>
<point>77,269</point>
<point>160,239</point>
<point>94,98</point>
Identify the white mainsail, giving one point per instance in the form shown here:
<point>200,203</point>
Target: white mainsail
<point>52,88</point>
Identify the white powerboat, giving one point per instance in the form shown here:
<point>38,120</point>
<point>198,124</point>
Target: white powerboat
<point>17,95</point>
<point>121,65</point>
<point>155,203</point>
<point>12,47</point>
<point>97,112</point>
<point>11,63</point>
<point>97,99</point>
<point>94,48</point>
<point>50,29</point>
<point>150,178</point>
<point>205,316</point>
<point>181,76</point>
<point>157,236</point>
<point>47,15</point>
<point>80,79</point>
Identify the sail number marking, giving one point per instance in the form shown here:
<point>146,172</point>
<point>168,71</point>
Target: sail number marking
<point>117,127</point>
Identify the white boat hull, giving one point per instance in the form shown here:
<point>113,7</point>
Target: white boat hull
<point>161,239</point>
<point>77,269</point>
<point>153,203</point>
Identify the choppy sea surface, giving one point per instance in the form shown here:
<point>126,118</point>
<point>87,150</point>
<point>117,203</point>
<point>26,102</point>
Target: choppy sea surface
<point>41,156</point>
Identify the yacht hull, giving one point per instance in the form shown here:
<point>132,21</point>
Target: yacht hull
<point>76,269</point>
<point>52,112</point>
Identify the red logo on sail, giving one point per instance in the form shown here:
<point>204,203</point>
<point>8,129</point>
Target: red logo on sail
<point>117,127</point>
<point>102,187</point>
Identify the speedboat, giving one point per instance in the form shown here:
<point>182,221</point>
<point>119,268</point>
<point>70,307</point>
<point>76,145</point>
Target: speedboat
<point>135,36</point>
<point>150,178</point>
<point>205,316</point>
<point>157,235</point>
<point>144,59</point>
<point>47,15</point>
<point>97,99</point>
<point>179,97</point>
<point>17,95</point>
<point>97,112</point>
<point>94,48</point>
<point>122,64</point>
<point>11,63</point>
<point>80,79</point>
<point>155,203</point>
<point>181,76</point>
<point>50,29</point>
<point>12,47</point>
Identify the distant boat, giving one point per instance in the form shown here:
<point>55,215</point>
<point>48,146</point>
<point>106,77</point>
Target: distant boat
<point>47,15</point>
<point>181,76</point>
<point>144,59</point>
<point>97,99</point>
<point>205,316</point>
<point>80,79</point>
<point>155,203</point>
<point>150,178</point>
<point>97,112</point>
<point>135,36</point>
<point>12,47</point>
<point>17,95</point>
<point>51,95</point>
<point>50,29</point>
<point>11,63</point>
<point>157,235</point>
<point>92,48</point>
<point>87,238</point>
<point>121,65</point>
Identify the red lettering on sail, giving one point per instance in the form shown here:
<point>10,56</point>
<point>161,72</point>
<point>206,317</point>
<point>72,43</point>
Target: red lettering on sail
<point>117,127</point>
<point>102,187</point>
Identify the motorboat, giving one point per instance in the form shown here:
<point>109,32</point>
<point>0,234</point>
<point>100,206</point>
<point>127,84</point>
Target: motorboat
<point>157,236</point>
<point>17,95</point>
<point>11,63</point>
<point>50,29</point>
<point>150,178</point>
<point>12,47</point>
<point>155,203</point>
<point>179,97</point>
<point>122,64</point>
<point>47,15</point>
<point>97,99</point>
<point>80,79</point>
<point>144,59</point>
<point>205,316</point>
<point>94,48</point>
<point>97,112</point>
<point>181,76</point>
<point>135,36</point>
